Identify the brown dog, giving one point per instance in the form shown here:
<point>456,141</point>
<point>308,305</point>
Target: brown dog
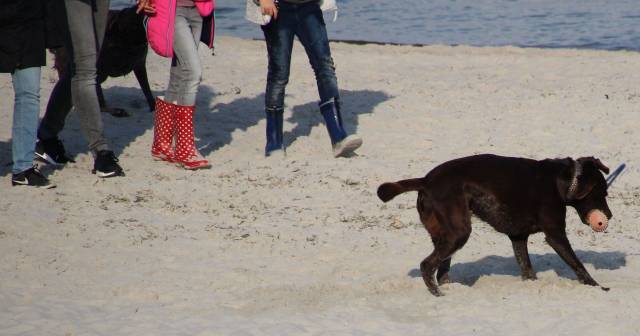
<point>516,196</point>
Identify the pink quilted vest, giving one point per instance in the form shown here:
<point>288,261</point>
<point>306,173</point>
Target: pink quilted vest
<point>160,24</point>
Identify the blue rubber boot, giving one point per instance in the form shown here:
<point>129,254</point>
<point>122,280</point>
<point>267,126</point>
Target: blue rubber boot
<point>274,131</point>
<point>343,144</point>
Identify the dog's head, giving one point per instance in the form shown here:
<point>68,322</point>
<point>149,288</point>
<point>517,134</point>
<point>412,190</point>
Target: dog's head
<point>583,187</point>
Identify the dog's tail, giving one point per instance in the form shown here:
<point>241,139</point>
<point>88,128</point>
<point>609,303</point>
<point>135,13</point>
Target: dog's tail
<point>387,191</point>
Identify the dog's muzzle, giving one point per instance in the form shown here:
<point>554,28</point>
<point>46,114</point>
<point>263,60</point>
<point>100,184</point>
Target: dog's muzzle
<point>597,220</point>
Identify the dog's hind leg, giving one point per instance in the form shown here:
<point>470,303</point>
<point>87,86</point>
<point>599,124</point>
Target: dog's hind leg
<point>439,259</point>
<point>520,250</point>
<point>443,272</point>
<point>450,228</point>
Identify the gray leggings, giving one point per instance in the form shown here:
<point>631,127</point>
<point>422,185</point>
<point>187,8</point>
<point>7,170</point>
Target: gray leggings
<point>87,20</point>
<point>186,70</point>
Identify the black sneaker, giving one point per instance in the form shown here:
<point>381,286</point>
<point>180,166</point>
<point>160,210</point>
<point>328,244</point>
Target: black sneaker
<point>52,151</point>
<point>106,164</point>
<point>31,177</point>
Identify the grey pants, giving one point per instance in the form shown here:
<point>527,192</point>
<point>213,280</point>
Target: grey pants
<point>186,70</point>
<point>87,21</point>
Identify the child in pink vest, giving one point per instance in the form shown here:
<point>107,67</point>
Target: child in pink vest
<point>174,30</point>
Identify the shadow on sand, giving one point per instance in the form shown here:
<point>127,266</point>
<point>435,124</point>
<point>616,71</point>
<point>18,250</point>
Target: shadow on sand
<point>216,127</point>
<point>214,123</point>
<point>469,272</point>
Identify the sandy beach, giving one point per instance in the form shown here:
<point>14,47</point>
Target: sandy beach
<point>302,246</point>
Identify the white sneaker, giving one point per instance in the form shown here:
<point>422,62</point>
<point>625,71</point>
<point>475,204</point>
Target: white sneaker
<point>347,146</point>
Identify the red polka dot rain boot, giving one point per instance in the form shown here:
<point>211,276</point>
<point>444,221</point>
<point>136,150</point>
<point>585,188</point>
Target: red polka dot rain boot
<point>163,131</point>
<point>186,155</point>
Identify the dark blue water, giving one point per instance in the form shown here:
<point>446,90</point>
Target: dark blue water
<point>596,24</point>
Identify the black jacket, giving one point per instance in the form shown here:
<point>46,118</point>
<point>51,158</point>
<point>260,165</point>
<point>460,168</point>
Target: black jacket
<point>27,28</point>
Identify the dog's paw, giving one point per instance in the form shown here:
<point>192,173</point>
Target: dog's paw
<point>116,112</point>
<point>442,280</point>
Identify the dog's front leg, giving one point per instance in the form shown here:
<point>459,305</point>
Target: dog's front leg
<point>560,243</point>
<point>114,111</point>
<point>521,252</point>
<point>140,70</point>
<point>100,94</point>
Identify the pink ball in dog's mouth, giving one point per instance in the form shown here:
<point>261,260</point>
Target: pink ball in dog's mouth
<point>597,220</point>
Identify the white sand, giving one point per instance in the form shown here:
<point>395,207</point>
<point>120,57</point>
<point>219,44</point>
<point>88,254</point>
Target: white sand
<point>303,246</point>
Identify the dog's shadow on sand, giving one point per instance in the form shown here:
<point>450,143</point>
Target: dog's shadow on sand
<point>468,273</point>
<point>216,127</point>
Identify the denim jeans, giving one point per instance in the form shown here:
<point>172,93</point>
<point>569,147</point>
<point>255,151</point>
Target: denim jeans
<point>26,110</point>
<point>306,22</point>
<point>186,70</point>
<point>87,22</point>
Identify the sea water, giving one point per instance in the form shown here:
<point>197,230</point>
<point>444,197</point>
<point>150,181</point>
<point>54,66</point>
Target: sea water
<point>595,24</point>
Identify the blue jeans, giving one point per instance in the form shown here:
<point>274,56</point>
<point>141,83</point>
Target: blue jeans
<point>306,22</point>
<point>186,70</point>
<point>26,110</point>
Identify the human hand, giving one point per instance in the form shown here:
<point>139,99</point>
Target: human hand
<point>268,7</point>
<point>147,6</point>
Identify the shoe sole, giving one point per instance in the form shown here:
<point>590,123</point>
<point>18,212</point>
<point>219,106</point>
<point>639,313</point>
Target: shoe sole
<point>276,154</point>
<point>347,146</point>
<point>105,175</point>
<point>180,165</point>
<point>162,158</point>
<point>48,186</point>
<point>48,160</point>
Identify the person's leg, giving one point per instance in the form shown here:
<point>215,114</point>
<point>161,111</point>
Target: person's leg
<point>26,84</point>
<point>49,148</point>
<point>313,35</point>
<point>186,69</point>
<point>87,21</point>
<point>58,108</point>
<point>279,36</point>
<point>186,36</point>
<point>185,46</point>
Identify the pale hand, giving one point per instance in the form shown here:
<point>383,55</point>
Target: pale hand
<point>147,6</point>
<point>268,7</point>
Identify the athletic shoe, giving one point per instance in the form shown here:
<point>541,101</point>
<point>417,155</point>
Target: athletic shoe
<point>347,146</point>
<point>52,151</point>
<point>31,177</point>
<point>106,164</point>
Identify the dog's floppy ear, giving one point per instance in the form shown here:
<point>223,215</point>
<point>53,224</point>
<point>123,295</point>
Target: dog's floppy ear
<point>585,161</point>
<point>563,180</point>
<point>588,179</point>
<point>584,188</point>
